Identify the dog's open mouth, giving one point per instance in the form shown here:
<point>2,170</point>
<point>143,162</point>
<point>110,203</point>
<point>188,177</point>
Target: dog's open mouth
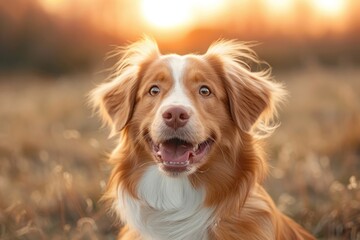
<point>176,155</point>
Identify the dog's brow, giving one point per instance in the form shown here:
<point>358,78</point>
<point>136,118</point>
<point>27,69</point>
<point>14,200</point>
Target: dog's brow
<point>177,64</point>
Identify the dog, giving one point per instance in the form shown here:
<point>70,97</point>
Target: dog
<point>189,162</point>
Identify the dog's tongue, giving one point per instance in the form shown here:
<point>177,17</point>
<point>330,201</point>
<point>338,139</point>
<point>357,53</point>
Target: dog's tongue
<point>175,151</point>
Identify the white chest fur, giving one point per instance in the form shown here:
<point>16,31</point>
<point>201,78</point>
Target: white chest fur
<point>169,208</point>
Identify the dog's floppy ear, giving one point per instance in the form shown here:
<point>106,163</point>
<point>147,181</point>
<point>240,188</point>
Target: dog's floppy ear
<point>252,96</point>
<point>115,100</point>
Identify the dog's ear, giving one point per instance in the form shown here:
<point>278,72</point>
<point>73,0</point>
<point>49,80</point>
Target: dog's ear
<point>253,98</point>
<point>115,100</point>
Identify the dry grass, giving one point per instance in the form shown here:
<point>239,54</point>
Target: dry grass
<point>53,168</point>
<point>316,152</point>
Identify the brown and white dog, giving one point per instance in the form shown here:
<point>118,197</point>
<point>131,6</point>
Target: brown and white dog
<point>189,163</point>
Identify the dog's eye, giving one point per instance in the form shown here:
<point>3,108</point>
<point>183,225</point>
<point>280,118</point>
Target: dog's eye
<point>154,90</point>
<point>204,91</point>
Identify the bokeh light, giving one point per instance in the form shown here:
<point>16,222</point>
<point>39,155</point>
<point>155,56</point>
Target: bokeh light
<point>279,5</point>
<point>329,7</point>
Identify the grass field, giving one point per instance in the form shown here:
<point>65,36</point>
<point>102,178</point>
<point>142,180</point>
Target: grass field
<point>53,156</point>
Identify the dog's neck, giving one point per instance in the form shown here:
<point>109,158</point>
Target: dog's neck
<point>166,193</point>
<point>167,208</point>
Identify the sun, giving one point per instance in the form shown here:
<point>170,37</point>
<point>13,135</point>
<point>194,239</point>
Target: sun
<point>165,14</point>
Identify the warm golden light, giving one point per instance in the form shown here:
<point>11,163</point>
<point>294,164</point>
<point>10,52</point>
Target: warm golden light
<point>166,13</point>
<point>207,5</point>
<point>52,5</point>
<point>279,5</point>
<point>176,13</point>
<point>176,18</point>
<point>329,7</point>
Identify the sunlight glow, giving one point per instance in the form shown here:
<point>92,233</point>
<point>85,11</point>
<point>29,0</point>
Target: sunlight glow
<point>207,5</point>
<point>329,7</point>
<point>52,5</point>
<point>176,13</point>
<point>279,5</point>
<point>175,18</point>
<point>166,13</point>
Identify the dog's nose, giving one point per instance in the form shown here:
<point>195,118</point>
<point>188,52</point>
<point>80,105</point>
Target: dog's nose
<point>176,117</point>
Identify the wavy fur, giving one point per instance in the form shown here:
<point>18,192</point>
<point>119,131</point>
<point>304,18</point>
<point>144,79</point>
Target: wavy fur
<point>221,197</point>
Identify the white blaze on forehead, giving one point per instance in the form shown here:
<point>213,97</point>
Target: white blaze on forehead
<point>177,95</point>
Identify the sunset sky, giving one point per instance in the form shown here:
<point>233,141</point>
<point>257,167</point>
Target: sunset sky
<point>171,18</point>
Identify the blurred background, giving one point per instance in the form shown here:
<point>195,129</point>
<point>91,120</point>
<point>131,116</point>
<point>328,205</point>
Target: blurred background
<point>53,152</point>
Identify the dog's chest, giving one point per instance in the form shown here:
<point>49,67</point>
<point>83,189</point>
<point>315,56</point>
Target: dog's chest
<point>169,208</point>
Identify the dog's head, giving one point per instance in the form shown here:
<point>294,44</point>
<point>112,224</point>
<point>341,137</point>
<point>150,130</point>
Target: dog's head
<point>181,110</point>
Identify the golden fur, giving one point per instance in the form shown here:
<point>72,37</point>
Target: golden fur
<point>237,117</point>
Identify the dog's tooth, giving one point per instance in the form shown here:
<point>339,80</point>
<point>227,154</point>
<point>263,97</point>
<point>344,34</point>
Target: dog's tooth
<point>184,163</point>
<point>196,148</point>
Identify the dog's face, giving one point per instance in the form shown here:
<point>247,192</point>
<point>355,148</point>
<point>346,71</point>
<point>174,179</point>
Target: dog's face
<point>181,106</point>
<point>181,110</point>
